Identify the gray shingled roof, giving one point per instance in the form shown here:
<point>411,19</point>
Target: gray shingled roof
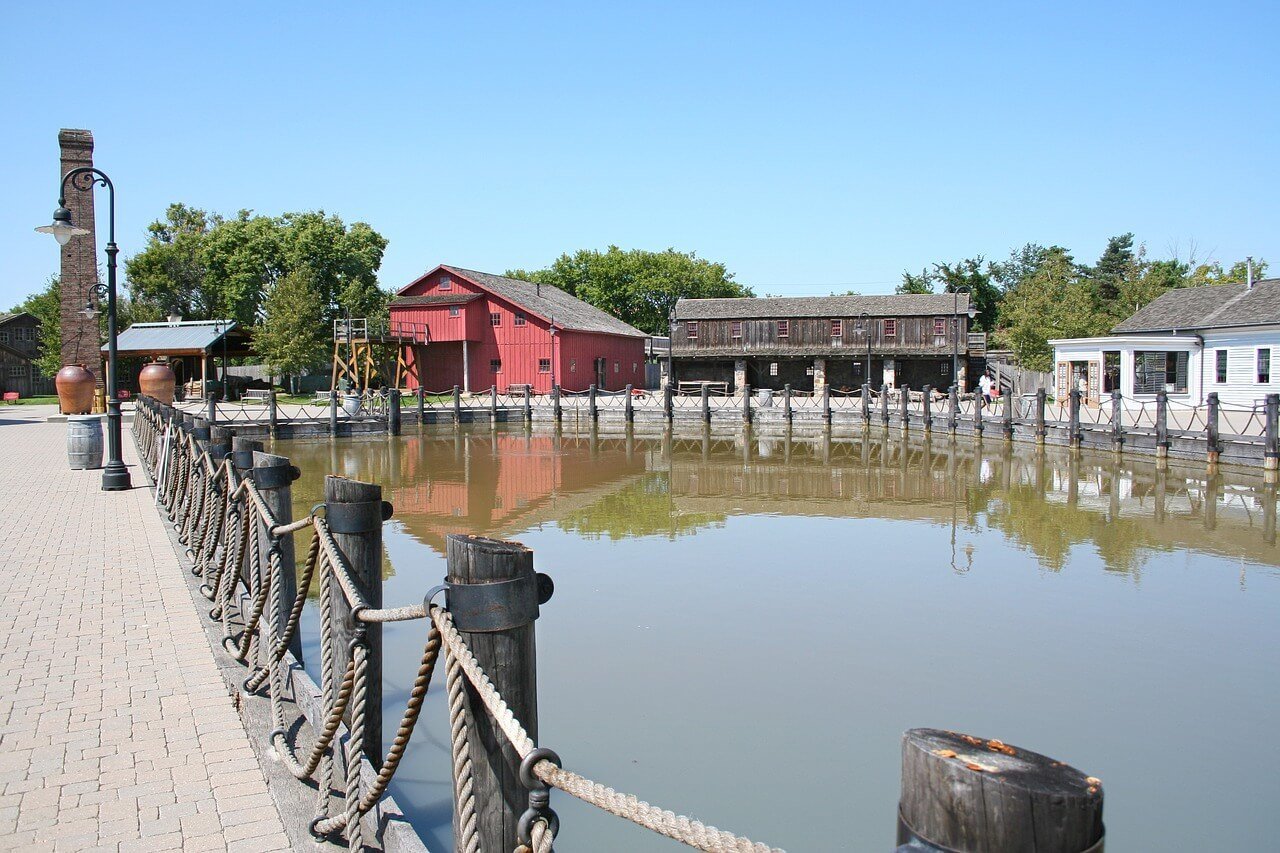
<point>769,307</point>
<point>161,337</point>
<point>436,299</point>
<point>1211,307</point>
<point>568,312</point>
<point>6,317</point>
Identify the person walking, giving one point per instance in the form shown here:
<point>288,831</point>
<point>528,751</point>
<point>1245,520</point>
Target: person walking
<point>984,387</point>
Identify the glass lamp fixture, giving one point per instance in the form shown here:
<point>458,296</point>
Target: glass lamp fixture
<point>61,227</point>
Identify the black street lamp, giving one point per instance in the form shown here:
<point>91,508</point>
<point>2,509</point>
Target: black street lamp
<point>115,477</point>
<point>221,327</point>
<point>955,332</point>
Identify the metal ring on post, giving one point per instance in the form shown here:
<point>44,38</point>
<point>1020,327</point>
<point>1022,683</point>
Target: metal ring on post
<point>527,779</point>
<point>524,826</point>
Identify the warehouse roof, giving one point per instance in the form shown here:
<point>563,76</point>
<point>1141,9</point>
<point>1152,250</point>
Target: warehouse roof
<point>782,307</point>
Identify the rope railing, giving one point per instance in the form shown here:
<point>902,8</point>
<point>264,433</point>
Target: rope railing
<point>235,541</point>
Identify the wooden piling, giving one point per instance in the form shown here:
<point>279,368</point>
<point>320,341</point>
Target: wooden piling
<point>866,404</point>
<point>211,408</point>
<point>393,411</point>
<point>786,401</point>
<point>706,403</point>
<point>1271,450</point>
<point>826,403</point>
<point>493,403</point>
<point>219,442</point>
<point>333,413</point>
<point>953,416</point>
<point>242,450</point>
<point>884,405</point>
<point>508,654</point>
<point>629,406</point>
<point>354,512</point>
<point>1117,421</point>
<point>927,408</point>
<point>422,405</point>
<point>979,402</point>
<point>1042,397</point>
<point>556,411</point>
<point>966,793</point>
<point>528,404</point>
<point>1162,424</point>
<point>593,407</point>
<point>1073,418</point>
<point>1212,445</point>
<point>457,404</point>
<point>668,402</point>
<point>1008,416</point>
<point>273,413</point>
<point>273,476</point>
<point>746,403</point>
<point>904,402</point>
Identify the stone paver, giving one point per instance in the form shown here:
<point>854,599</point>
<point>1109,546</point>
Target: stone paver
<point>116,730</point>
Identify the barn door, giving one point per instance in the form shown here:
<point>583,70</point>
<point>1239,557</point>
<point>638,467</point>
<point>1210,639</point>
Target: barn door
<point>601,373</point>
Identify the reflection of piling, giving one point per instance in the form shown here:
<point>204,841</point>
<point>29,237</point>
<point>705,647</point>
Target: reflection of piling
<point>926,397</point>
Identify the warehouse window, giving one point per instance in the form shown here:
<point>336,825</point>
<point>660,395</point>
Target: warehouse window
<point>784,328</point>
<point>1222,367</point>
<point>890,328</point>
<point>519,319</point>
<point>495,319</point>
<point>837,328</point>
<point>495,365</point>
<point>544,365</point>
<point>691,330</point>
<point>1264,366</point>
<point>446,283</point>
<point>453,311</point>
<point>735,330</point>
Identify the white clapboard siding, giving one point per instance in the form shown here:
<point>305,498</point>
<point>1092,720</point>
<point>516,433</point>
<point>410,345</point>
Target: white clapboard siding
<point>1242,387</point>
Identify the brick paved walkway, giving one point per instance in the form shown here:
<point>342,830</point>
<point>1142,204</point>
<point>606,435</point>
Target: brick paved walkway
<point>116,730</point>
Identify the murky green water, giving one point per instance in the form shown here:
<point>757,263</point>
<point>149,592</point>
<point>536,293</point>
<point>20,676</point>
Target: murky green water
<point>742,629</point>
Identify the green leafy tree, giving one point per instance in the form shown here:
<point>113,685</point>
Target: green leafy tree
<point>46,306</point>
<point>293,336</point>
<point>1053,302</point>
<point>637,286</point>
<point>922,283</point>
<point>1117,265</point>
<point>984,294</point>
<point>1021,264</point>
<point>171,273</point>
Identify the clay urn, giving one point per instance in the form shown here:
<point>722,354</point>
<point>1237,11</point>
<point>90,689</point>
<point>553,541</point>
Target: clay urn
<point>157,381</point>
<point>75,387</point>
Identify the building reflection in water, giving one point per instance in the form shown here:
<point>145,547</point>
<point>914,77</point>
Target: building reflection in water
<point>500,482</point>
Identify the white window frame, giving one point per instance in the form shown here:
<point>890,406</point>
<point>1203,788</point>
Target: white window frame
<point>691,330</point>
<point>495,319</point>
<point>1221,366</point>
<point>1257,365</point>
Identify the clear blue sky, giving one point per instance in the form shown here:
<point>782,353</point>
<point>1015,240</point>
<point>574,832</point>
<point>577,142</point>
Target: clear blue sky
<point>808,146</point>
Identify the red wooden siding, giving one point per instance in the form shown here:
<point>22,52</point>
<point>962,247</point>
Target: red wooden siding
<point>519,348</point>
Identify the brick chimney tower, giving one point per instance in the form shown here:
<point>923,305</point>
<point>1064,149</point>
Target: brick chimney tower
<point>80,344</point>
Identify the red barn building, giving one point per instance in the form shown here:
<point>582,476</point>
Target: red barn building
<point>488,330</point>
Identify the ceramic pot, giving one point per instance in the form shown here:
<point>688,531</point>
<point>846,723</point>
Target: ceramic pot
<point>157,381</point>
<point>75,389</point>
<point>351,404</point>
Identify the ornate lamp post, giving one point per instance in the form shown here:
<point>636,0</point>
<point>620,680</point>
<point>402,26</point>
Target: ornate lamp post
<point>115,477</point>
<point>955,332</point>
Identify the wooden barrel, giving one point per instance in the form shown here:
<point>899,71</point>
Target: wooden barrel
<point>84,441</point>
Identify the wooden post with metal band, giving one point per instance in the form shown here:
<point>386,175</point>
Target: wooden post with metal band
<point>668,402</point>
<point>493,595</point>
<point>1042,398</point>
<point>1073,418</point>
<point>884,404</point>
<point>273,415</point>
<point>953,415</point>
<point>1162,424</point>
<point>866,404</point>
<point>528,404</point>
<point>556,411</point>
<point>333,413</point>
<point>1117,421</point>
<point>354,512</point>
<point>746,403</point>
<point>629,405</point>
<point>393,411</point>
<point>826,402</point>
<point>493,403</point>
<point>457,404</point>
<point>904,402</point>
<point>786,401</point>
<point>1271,451</point>
<point>1211,434</point>
<point>422,405</point>
<point>273,476</point>
<point>706,403</point>
<point>926,400</point>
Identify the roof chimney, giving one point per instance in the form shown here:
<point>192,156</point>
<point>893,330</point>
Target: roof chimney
<point>537,288</point>
<point>1248,265</point>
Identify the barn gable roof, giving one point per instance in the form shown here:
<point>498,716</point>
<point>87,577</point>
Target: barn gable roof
<point>550,303</point>
<point>784,307</point>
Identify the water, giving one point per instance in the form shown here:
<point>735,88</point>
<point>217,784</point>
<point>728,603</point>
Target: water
<point>742,630</point>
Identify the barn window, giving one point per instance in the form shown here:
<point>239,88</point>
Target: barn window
<point>784,328</point>
<point>735,330</point>
<point>446,283</point>
<point>519,318</point>
<point>890,328</point>
<point>1222,366</point>
<point>939,326</point>
<point>16,371</point>
<point>544,365</point>
<point>617,366</point>
<point>573,365</point>
<point>495,365</point>
<point>1264,366</point>
<point>495,319</point>
<point>773,368</point>
<point>691,330</point>
<point>453,311</point>
<point>837,328</point>
<point>4,336</point>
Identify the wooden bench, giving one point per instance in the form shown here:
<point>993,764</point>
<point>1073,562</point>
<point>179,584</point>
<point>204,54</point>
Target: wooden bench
<point>256,396</point>
<point>695,387</point>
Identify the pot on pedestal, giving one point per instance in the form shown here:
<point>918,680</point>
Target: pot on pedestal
<point>75,389</point>
<point>157,381</point>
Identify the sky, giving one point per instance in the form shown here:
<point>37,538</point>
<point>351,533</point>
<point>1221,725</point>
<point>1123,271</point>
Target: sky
<point>811,147</point>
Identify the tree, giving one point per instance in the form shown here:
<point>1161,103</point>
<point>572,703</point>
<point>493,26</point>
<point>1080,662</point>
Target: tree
<point>922,283</point>
<point>1116,265</point>
<point>1051,303</point>
<point>637,286</point>
<point>205,265</point>
<point>293,336</point>
<point>1022,263</point>
<point>46,306</point>
<point>985,296</point>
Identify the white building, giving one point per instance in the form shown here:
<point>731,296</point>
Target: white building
<point>1189,342</point>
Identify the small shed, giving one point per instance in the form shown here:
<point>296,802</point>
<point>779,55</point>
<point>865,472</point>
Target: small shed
<point>194,348</point>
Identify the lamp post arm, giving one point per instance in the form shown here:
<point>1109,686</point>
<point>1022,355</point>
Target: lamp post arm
<point>95,176</point>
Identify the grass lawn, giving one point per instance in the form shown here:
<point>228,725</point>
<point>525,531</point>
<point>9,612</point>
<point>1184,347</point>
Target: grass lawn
<point>37,401</point>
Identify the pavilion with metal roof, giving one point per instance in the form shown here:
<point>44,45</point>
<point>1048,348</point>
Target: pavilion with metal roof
<point>193,348</point>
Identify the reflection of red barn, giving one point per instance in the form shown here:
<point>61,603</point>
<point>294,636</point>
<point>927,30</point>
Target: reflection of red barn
<point>489,330</point>
<point>498,485</point>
